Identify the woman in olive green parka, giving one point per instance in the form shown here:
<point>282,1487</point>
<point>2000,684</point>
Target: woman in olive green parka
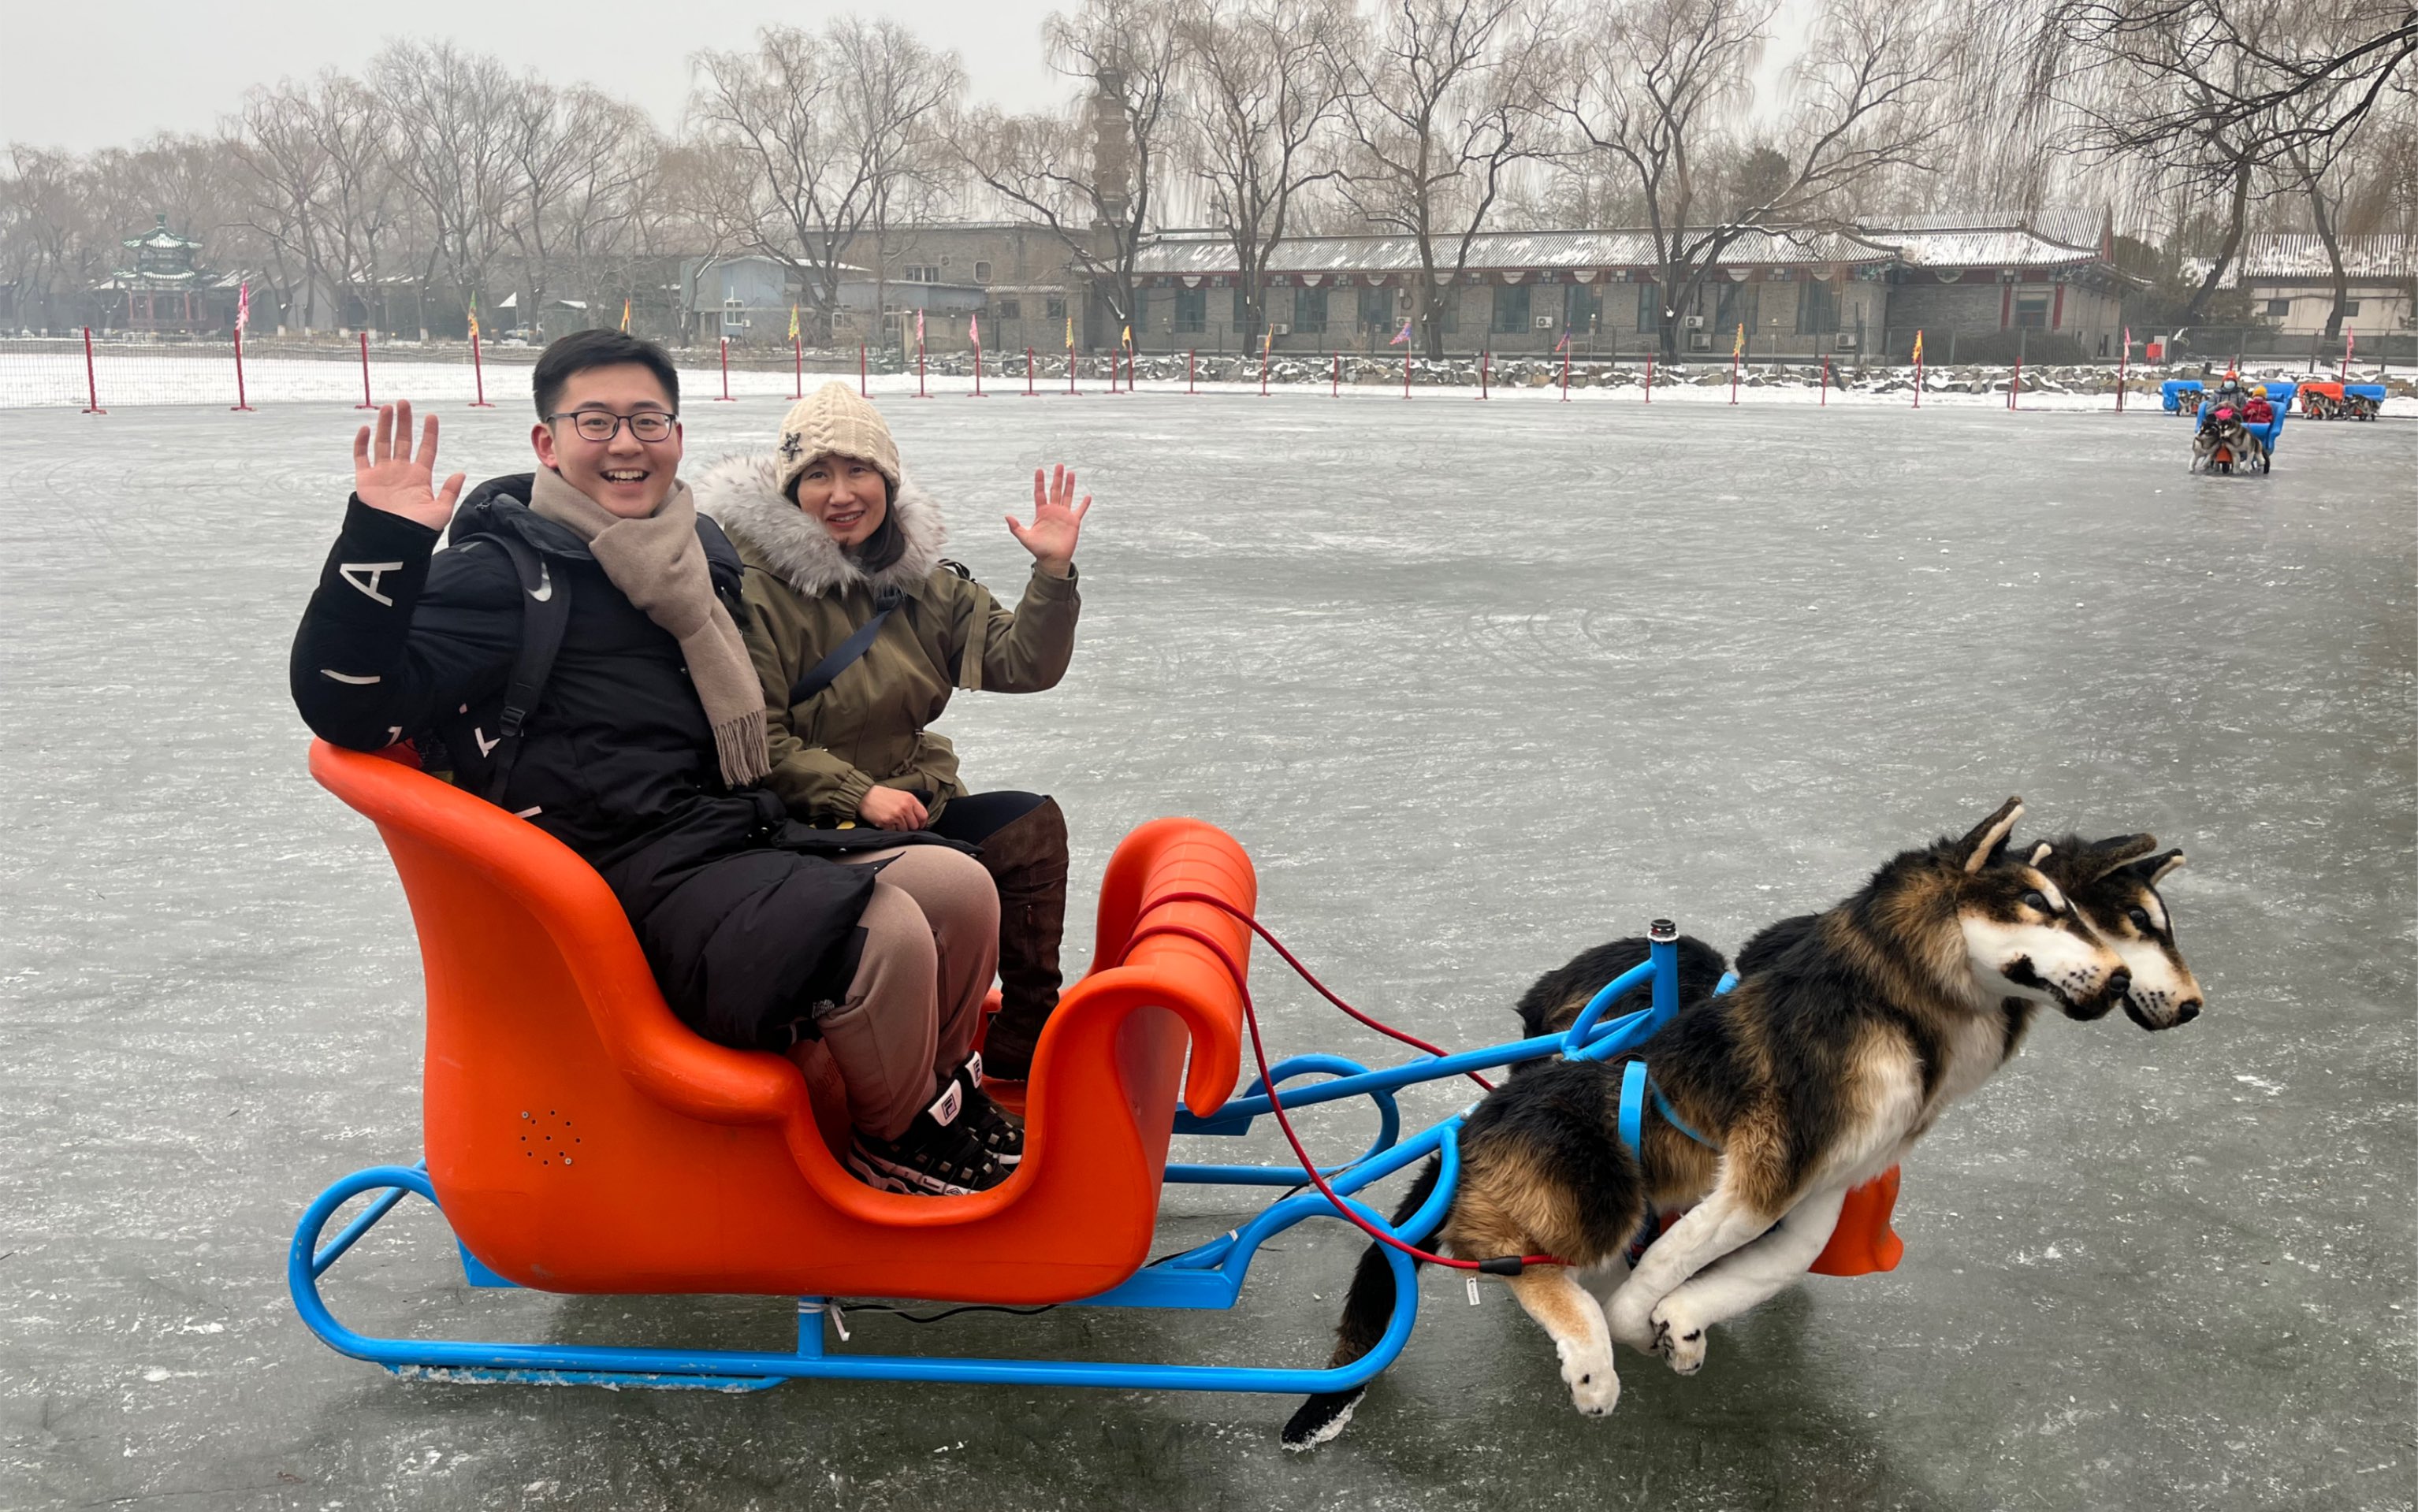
<point>832,534</point>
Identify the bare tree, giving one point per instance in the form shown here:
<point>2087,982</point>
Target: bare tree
<point>1443,104</point>
<point>449,133</point>
<point>1662,95</point>
<point>571,155</point>
<point>817,121</point>
<point>896,96</point>
<point>1263,84</point>
<point>1093,174</point>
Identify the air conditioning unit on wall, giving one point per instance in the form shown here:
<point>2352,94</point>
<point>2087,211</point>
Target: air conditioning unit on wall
<point>1699,342</point>
<point>1544,322</point>
<point>1692,322</point>
<point>1845,342</point>
<point>1278,328</point>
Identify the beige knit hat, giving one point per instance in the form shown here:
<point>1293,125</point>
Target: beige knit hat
<point>834,419</point>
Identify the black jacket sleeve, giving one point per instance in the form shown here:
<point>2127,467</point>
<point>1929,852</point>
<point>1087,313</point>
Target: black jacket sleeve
<point>393,640</point>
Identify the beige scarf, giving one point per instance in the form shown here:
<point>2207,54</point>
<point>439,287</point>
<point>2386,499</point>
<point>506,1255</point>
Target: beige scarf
<point>659,565</point>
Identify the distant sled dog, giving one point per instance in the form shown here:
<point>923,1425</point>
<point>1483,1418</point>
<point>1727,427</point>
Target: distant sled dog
<point>1847,1035</point>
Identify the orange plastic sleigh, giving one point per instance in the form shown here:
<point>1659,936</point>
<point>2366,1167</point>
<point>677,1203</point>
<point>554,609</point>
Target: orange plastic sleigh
<point>579,1139</point>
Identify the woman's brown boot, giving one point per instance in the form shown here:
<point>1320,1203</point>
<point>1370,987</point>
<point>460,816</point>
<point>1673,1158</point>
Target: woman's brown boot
<point>1027,859</point>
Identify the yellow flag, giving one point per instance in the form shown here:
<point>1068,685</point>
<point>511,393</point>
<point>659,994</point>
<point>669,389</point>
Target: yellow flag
<point>1739,346</point>
<point>1266,336</point>
<point>793,323</point>
<point>474,317</point>
<point>1070,332</point>
<point>625,317</point>
<point>1917,346</point>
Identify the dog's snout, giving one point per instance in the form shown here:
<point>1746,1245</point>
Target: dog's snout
<point>2188,1011</point>
<point>2120,984</point>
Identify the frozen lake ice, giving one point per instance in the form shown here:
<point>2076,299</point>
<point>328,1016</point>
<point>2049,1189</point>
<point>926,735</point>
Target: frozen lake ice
<point>1477,686</point>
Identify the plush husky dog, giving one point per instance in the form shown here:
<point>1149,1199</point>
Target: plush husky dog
<point>1847,1035</point>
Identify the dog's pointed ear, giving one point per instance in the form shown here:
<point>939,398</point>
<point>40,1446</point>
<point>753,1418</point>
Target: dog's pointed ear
<point>1982,844</point>
<point>2153,869</point>
<point>2041,853</point>
<point>2116,852</point>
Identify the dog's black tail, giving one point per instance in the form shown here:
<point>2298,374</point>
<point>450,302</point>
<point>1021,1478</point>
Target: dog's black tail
<point>1366,1311</point>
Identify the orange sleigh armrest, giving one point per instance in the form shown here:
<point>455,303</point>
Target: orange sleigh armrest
<point>1141,931</point>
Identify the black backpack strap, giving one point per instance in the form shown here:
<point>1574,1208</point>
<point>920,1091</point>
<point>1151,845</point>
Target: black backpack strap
<point>823,673</point>
<point>546,611</point>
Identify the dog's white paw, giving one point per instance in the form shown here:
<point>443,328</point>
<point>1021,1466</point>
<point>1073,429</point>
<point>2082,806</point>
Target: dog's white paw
<point>1679,1338</point>
<point>1594,1388</point>
<point>1630,1323</point>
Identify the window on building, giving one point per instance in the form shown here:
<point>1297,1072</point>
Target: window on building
<point>2278,309</point>
<point>919,273</point>
<point>1377,311</point>
<point>1309,312</point>
<point>1817,308</point>
<point>1650,307</point>
<point>1009,308</point>
<point>1581,310</point>
<point>1140,318</point>
<point>1512,309</point>
<point>1736,307</point>
<point>2351,307</point>
<point>1446,311</point>
<point>1191,312</point>
<point>2032,310</point>
<point>1054,309</point>
<point>982,271</point>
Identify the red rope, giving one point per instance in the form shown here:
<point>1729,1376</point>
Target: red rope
<point>1305,974</point>
<point>1275,1104</point>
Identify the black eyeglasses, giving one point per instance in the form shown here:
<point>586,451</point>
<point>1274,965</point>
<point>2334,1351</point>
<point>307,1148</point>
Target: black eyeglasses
<point>602,424</point>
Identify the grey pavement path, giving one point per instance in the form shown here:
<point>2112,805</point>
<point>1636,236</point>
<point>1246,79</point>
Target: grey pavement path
<point>1478,686</point>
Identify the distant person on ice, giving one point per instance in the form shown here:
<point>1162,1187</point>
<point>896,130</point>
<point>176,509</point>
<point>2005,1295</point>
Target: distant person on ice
<point>644,750</point>
<point>861,631</point>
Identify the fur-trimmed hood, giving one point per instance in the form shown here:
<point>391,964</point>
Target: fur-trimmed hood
<point>741,493</point>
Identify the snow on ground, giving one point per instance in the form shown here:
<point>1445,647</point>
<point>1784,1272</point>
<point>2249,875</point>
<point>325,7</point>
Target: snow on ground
<point>1477,686</point>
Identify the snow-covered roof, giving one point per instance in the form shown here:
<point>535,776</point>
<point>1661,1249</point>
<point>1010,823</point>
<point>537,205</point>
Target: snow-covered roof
<point>2300,258</point>
<point>1194,252</point>
<point>2055,237</point>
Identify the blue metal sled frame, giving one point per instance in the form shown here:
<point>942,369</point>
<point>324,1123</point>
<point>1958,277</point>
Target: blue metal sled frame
<point>1209,1277</point>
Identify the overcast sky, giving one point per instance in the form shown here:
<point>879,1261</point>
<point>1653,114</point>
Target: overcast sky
<point>82,78</point>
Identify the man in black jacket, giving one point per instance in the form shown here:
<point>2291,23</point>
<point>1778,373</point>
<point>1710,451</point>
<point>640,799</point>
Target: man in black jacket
<point>642,746</point>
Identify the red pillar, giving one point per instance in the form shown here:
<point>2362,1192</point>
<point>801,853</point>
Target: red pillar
<point>91,382</point>
<point>365,374</point>
<point>240,404</point>
<point>724,397</point>
<point>478,376</point>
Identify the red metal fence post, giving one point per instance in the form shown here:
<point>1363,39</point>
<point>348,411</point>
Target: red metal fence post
<point>1826,383</point>
<point>241,404</point>
<point>2015,384</point>
<point>797,367</point>
<point>861,392</point>
<point>1565,371</point>
<point>1028,375</point>
<point>1485,361</point>
<point>1649,377</point>
<point>1188,358</point>
<point>365,374</point>
<point>1334,377</point>
<point>91,382</point>
<point>478,376</point>
<point>978,393</point>
<point>724,397</point>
